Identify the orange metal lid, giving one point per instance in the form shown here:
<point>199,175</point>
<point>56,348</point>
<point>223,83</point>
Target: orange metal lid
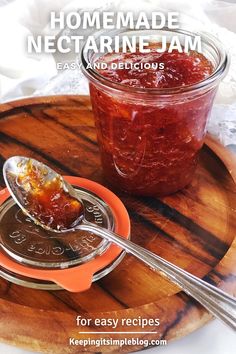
<point>77,278</point>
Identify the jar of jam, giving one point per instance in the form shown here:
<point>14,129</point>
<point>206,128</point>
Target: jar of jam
<point>151,119</point>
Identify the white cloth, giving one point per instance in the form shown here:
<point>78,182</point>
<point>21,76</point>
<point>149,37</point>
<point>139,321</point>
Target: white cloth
<point>21,73</point>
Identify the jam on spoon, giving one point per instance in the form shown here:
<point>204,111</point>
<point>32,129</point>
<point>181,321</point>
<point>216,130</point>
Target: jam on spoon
<point>47,199</point>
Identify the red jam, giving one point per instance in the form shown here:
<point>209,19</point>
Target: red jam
<point>47,201</point>
<point>180,69</point>
<point>150,147</point>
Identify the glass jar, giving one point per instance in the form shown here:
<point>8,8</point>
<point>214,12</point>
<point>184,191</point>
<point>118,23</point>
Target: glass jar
<point>149,138</point>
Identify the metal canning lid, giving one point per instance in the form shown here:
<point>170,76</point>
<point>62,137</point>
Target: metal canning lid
<point>29,244</point>
<point>75,268</point>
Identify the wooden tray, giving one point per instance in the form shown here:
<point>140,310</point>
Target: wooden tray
<point>194,229</point>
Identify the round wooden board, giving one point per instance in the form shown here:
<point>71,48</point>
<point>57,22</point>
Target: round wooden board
<point>194,229</point>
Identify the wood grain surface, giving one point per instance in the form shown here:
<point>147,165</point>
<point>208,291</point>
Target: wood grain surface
<point>195,229</point>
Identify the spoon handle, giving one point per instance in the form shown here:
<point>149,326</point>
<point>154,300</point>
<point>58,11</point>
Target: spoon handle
<point>219,303</point>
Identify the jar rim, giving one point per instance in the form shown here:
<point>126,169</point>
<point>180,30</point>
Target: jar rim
<point>212,80</point>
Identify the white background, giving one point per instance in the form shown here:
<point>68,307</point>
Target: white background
<point>27,74</point>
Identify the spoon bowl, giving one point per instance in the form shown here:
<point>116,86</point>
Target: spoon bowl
<point>20,188</point>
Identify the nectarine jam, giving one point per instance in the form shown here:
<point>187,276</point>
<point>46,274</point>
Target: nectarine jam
<point>151,111</point>
<point>47,201</point>
<point>177,69</point>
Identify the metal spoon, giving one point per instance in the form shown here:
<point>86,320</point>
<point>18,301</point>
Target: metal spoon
<point>219,303</point>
